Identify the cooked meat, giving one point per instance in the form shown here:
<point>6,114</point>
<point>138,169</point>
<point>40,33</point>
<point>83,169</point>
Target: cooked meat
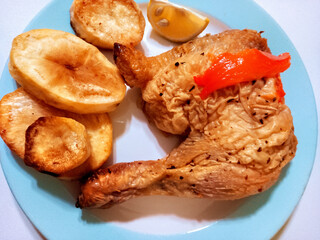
<point>238,139</point>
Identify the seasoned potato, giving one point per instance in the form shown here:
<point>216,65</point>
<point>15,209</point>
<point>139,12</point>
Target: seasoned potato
<point>65,72</point>
<point>104,22</point>
<point>18,110</point>
<point>56,145</point>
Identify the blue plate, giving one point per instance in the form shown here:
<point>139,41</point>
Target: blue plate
<point>50,205</point>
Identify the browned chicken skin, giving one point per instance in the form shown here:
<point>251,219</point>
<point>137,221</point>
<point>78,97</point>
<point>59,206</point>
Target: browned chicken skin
<point>238,139</point>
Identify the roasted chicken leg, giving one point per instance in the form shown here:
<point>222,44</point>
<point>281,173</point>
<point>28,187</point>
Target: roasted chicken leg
<point>237,140</point>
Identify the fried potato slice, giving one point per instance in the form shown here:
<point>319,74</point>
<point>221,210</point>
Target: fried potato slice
<point>18,110</point>
<point>56,145</point>
<point>65,72</point>
<point>104,22</point>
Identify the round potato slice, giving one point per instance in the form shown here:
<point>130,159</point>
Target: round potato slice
<point>65,72</point>
<point>104,22</point>
<point>18,110</point>
<point>56,145</point>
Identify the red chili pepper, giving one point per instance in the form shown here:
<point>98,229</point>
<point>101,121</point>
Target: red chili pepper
<point>279,89</point>
<point>229,69</point>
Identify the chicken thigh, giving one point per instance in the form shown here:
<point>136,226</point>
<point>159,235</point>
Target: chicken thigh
<point>237,140</point>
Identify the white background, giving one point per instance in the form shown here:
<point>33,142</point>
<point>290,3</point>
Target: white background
<point>299,19</point>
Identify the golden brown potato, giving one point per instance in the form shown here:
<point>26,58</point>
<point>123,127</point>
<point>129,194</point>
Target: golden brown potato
<point>99,129</point>
<point>65,72</point>
<point>104,22</point>
<point>18,110</point>
<point>56,145</point>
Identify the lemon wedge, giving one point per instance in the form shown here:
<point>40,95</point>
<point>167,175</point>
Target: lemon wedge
<point>175,22</point>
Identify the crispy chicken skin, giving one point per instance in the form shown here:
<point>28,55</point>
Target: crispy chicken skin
<point>238,139</point>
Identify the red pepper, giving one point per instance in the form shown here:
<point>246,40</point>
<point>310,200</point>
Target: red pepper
<point>229,69</point>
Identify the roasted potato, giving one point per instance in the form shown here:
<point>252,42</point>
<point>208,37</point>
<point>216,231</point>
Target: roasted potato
<point>104,22</point>
<point>56,145</point>
<point>18,110</point>
<point>65,72</point>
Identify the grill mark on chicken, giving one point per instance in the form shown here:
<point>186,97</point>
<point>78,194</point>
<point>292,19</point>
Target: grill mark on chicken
<point>238,139</point>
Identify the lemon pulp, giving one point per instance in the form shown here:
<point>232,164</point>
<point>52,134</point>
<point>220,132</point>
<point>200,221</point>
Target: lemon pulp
<point>175,22</point>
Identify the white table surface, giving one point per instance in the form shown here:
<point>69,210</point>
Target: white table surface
<point>299,19</point>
